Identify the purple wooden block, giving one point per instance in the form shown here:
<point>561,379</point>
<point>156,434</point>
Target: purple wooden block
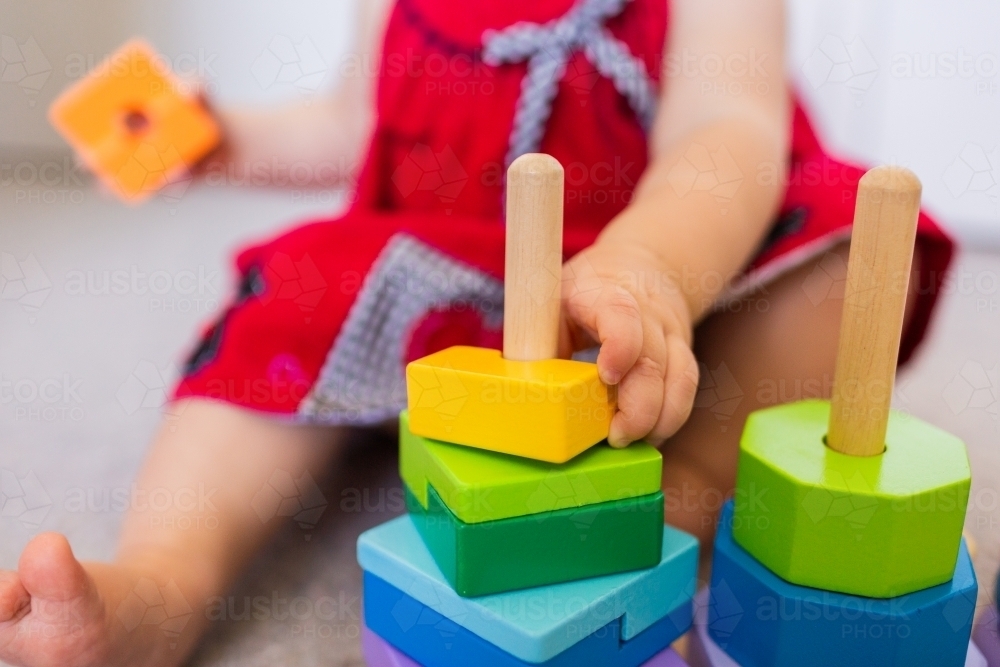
<point>975,658</point>
<point>986,634</point>
<point>704,652</point>
<point>380,653</point>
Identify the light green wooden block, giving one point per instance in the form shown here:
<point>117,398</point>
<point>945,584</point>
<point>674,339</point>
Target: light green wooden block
<point>479,485</point>
<point>875,526</point>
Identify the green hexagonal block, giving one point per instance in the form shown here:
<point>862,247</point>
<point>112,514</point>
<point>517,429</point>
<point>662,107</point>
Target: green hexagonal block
<point>876,526</point>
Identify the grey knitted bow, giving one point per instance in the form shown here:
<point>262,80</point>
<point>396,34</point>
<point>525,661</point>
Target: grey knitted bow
<point>547,48</point>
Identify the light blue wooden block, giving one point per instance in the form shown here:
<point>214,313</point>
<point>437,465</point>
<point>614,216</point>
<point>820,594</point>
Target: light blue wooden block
<point>536,624</point>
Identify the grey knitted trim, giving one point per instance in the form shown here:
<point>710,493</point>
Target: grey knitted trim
<point>548,48</point>
<point>362,380</point>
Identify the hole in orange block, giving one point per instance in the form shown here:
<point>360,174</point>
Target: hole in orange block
<point>136,121</point>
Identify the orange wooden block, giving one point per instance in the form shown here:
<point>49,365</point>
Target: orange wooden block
<point>132,124</point>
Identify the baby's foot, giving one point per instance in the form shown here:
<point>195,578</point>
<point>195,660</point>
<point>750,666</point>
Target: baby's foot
<point>54,612</point>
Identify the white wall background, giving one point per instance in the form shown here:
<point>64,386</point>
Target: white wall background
<point>914,82</point>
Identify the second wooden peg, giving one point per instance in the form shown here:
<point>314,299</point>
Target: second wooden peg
<point>878,272</point>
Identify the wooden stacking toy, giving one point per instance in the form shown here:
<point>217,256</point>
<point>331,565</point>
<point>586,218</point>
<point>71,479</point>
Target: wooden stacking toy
<point>132,124</point>
<point>844,544</point>
<point>526,402</point>
<point>555,556</point>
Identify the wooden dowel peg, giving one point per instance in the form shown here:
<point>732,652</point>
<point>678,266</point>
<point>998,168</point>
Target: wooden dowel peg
<point>533,263</point>
<point>878,274</point>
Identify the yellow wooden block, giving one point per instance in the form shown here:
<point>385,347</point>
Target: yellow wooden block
<point>547,410</point>
<point>132,123</point>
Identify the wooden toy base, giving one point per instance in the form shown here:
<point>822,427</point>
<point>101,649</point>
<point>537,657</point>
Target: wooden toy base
<point>704,652</point>
<point>536,624</point>
<point>761,620</point>
<point>540,549</point>
<point>986,634</point>
<point>380,653</point>
<point>435,641</point>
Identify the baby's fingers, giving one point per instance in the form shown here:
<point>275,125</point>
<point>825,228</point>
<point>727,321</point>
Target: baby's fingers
<point>679,388</point>
<point>640,393</point>
<point>615,321</point>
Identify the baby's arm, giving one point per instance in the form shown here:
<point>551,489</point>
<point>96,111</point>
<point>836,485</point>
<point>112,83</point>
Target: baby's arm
<point>325,134</point>
<point>664,260</point>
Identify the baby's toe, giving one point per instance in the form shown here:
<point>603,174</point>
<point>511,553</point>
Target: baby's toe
<point>14,599</point>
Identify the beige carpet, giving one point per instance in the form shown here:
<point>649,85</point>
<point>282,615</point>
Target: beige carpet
<point>82,375</point>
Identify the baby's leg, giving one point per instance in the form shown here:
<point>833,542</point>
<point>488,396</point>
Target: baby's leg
<point>212,461</point>
<point>751,357</point>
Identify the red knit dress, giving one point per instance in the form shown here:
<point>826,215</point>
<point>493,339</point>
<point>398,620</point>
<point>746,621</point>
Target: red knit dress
<point>327,314</point>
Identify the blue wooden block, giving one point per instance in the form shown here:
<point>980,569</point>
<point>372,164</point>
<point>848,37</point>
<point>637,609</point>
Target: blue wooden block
<point>537,624</point>
<point>761,620</point>
<point>704,652</point>
<point>380,653</point>
<point>435,641</point>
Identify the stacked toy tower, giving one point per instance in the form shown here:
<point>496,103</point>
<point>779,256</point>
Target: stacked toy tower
<point>528,541</point>
<point>843,544</point>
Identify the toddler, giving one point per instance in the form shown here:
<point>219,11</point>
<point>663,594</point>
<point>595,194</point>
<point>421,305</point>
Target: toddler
<point>703,221</point>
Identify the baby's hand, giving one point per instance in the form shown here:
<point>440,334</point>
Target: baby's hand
<point>623,298</point>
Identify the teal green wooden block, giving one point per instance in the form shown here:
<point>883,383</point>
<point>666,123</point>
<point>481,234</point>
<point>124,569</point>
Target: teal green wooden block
<point>540,549</point>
